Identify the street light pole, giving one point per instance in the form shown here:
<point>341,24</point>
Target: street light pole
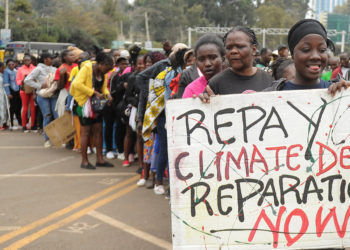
<point>146,26</point>
<point>7,14</point>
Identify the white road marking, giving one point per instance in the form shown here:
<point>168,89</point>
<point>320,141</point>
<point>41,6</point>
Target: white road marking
<point>21,147</point>
<point>66,175</point>
<point>79,228</point>
<point>38,167</point>
<point>131,230</point>
<point>9,228</point>
<point>108,181</point>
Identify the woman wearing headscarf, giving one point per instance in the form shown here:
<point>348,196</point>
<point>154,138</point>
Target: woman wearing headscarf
<point>308,44</point>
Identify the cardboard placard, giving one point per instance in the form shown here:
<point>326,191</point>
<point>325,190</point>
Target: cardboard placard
<point>262,171</point>
<point>61,130</point>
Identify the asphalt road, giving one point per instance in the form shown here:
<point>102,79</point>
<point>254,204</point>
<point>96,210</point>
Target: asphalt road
<point>49,202</point>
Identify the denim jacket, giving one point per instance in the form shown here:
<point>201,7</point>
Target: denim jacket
<point>10,81</point>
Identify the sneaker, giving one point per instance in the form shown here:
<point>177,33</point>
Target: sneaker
<point>136,157</point>
<point>88,151</point>
<point>15,127</point>
<point>94,150</point>
<point>141,182</point>
<point>25,130</point>
<point>2,128</point>
<point>110,155</point>
<point>47,144</point>
<point>126,163</point>
<point>34,130</point>
<point>158,190</point>
<point>131,158</point>
<point>121,156</point>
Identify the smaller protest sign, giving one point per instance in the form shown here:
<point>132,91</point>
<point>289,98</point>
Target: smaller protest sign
<point>61,130</point>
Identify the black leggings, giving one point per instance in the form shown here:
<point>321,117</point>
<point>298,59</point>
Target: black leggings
<point>110,117</point>
<point>15,107</point>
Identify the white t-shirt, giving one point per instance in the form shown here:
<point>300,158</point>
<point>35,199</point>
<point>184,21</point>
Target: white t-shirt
<point>344,70</point>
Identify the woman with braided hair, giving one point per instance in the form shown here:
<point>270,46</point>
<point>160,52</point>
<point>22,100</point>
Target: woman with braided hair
<point>241,45</point>
<point>283,67</point>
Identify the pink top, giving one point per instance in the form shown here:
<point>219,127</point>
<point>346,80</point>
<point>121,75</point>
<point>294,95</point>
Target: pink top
<point>195,88</point>
<point>22,72</point>
<point>127,70</point>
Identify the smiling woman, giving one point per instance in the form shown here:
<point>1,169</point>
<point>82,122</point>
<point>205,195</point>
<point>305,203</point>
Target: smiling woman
<point>308,44</point>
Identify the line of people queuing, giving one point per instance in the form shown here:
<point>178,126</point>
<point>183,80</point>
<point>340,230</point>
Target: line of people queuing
<point>136,86</point>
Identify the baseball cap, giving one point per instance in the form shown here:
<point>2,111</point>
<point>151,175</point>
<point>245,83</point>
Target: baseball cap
<point>124,54</point>
<point>177,47</point>
<point>282,46</point>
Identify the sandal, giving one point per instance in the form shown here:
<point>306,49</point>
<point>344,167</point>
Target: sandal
<point>104,164</point>
<point>87,166</point>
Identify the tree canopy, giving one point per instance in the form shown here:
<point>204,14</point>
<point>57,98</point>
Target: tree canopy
<point>88,22</point>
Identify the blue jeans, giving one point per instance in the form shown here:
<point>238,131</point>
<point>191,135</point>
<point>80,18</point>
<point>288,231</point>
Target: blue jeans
<point>47,107</point>
<point>162,161</point>
<point>155,154</point>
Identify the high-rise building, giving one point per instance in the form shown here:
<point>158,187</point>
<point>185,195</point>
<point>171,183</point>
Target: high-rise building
<point>319,6</point>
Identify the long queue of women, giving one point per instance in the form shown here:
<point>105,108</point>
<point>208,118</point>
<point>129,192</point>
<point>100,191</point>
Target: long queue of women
<point>137,87</point>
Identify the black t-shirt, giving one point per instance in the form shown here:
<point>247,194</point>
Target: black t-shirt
<point>97,83</point>
<point>291,86</point>
<point>228,82</point>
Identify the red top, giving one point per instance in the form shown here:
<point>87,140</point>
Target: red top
<point>69,70</point>
<point>22,72</point>
<point>336,72</point>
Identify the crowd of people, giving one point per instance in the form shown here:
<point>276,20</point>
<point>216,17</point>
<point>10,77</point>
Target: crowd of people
<point>118,98</point>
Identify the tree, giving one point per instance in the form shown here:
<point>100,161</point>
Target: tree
<point>296,8</point>
<point>194,16</point>
<point>166,20</point>
<point>231,13</point>
<point>271,16</point>
<point>24,26</point>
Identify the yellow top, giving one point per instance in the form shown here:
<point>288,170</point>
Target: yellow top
<point>73,73</point>
<point>82,86</point>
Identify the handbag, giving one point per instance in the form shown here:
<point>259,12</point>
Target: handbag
<point>51,90</point>
<point>97,104</point>
<point>27,89</point>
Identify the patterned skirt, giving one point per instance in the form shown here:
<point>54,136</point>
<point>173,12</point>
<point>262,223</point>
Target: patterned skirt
<point>4,106</point>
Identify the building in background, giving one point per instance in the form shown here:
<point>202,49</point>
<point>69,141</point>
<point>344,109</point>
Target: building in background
<point>319,6</point>
<point>337,22</point>
<point>322,10</point>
